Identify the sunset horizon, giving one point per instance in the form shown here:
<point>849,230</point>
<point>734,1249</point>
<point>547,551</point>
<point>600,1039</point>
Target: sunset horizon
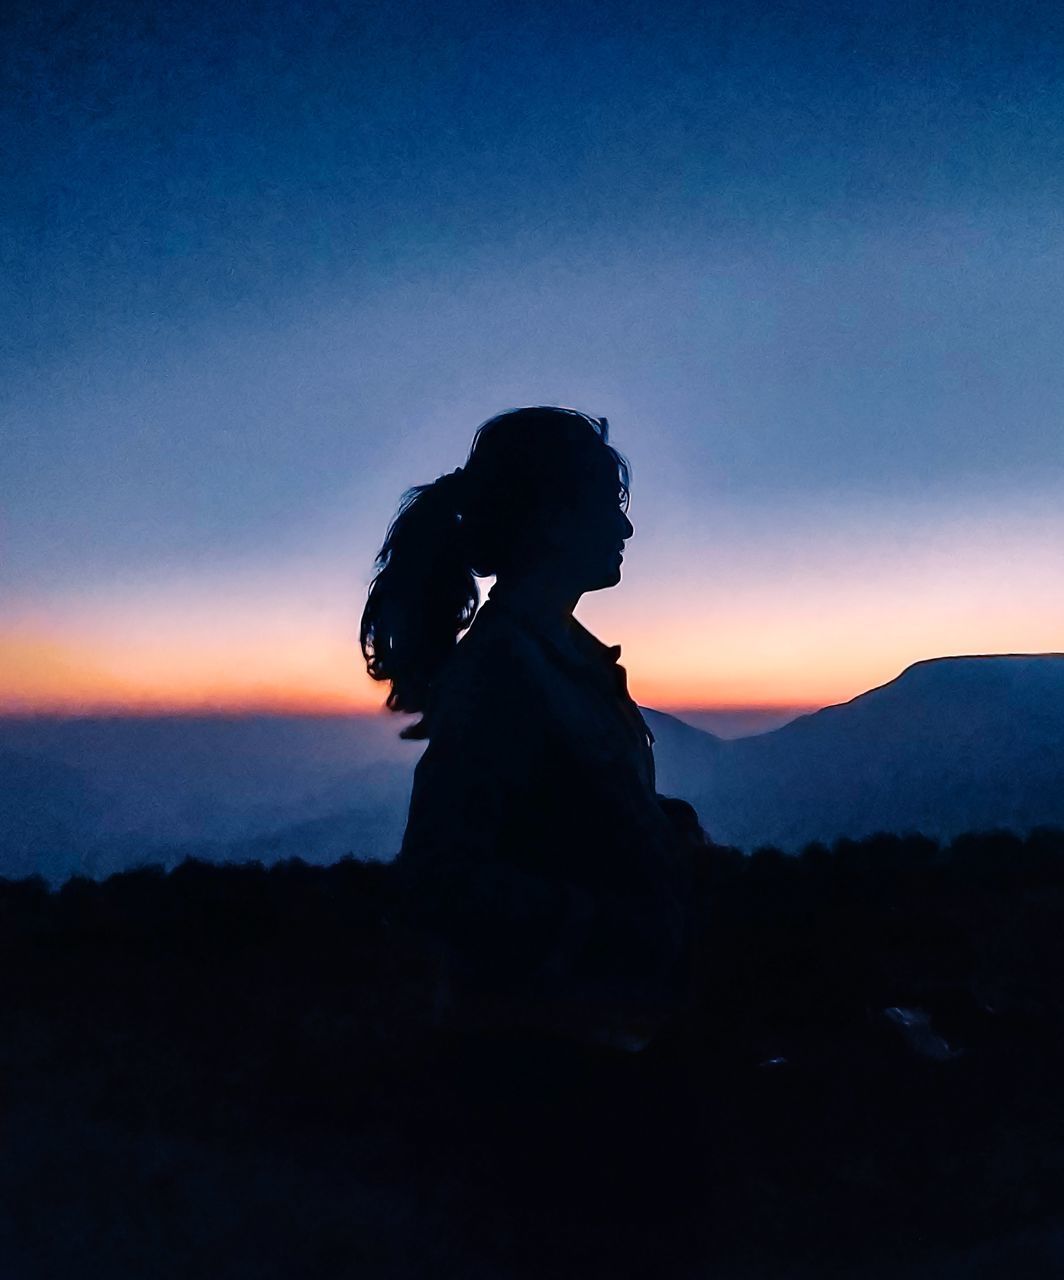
<point>716,935</point>
<point>370,699</point>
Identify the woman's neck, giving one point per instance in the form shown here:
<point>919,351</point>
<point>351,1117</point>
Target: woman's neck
<point>541,595</point>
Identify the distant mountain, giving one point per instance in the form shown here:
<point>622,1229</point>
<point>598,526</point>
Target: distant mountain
<point>46,809</point>
<point>93,794</point>
<point>684,756</point>
<point>739,722</point>
<point>953,744</point>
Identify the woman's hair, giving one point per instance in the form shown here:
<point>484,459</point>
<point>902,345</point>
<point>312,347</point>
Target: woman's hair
<point>482,519</point>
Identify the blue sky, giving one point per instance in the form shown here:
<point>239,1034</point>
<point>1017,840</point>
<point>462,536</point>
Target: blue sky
<point>267,265</point>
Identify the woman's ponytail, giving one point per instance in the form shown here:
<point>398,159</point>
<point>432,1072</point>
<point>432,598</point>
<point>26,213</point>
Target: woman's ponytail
<point>524,467</point>
<point>422,595</point>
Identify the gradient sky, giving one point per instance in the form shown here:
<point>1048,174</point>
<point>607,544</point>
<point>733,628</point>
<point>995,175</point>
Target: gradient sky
<point>266,265</point>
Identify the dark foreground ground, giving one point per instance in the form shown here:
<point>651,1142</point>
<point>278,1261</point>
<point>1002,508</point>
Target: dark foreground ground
<point>227,1072</point>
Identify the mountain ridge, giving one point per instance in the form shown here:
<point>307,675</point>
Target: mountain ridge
<point>952,743</point>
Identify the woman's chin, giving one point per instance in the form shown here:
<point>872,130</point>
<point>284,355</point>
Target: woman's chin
<point>609,579</point>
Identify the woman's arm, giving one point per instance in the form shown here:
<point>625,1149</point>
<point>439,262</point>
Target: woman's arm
<point>685,822</point>
<point>469,812</point>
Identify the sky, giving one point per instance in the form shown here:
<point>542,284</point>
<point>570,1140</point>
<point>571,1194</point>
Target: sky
<point>263,266</point>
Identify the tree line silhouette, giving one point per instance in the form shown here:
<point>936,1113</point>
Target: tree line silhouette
<point>234,1066</point>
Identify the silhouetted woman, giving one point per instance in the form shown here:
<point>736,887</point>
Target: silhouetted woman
<point>536,849</point>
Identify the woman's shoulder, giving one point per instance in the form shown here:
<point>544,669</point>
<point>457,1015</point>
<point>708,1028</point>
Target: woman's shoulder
<point>496,642</point>
<point>495,663</point>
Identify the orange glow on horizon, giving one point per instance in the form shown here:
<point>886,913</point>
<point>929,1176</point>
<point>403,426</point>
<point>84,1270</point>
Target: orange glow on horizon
<point>749,632</point>
<point>43,675</point>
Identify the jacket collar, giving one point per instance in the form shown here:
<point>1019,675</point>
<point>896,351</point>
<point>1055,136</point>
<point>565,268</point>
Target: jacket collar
<point>587,653</point>
<point>584,649</point>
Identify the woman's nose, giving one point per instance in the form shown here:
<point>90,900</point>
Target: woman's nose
<point>628,528</point>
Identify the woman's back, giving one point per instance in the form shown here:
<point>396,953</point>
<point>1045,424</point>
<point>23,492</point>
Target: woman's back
<point>535,836</point>
<point>528,726</point>
<point>537,849</point>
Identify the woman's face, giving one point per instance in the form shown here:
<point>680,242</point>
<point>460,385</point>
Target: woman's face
<point>590,535</point>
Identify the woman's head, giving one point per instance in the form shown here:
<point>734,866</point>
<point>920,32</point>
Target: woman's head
<point>535,481</point>
<point>541,491</point>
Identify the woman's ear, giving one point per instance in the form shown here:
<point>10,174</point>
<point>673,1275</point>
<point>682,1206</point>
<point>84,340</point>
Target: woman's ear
<point>552,534</point>
<point>556,535</point>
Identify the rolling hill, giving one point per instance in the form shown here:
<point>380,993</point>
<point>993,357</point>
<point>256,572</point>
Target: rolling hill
<point>951,745</point>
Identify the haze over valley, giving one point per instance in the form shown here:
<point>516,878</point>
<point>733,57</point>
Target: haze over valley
<point>950,745</point>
